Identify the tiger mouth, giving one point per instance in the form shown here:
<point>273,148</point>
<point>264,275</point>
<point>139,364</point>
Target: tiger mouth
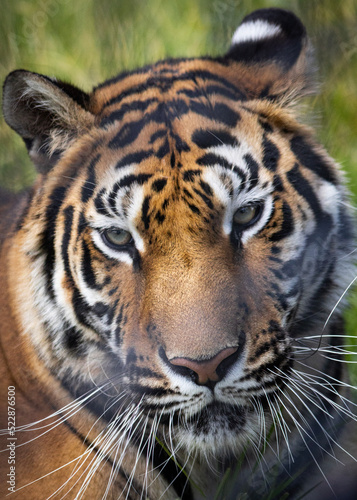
<point>220,416</point>
<point>217,415</point>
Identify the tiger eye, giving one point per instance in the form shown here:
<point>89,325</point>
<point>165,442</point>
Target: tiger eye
<point>245,215</point>
<point>117,237</point>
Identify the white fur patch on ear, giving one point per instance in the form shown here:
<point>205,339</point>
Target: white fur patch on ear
<point>253,31</point>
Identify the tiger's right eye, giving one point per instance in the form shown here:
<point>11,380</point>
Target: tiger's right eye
<point>117,238</point>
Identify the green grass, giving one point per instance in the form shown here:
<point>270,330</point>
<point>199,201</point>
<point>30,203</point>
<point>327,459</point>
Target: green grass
<point>85,42</point>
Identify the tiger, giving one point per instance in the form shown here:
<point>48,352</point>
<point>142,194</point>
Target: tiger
<point>172,285</point>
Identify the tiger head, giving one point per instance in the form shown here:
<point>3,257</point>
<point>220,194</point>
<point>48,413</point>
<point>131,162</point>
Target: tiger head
<point>184,233</point>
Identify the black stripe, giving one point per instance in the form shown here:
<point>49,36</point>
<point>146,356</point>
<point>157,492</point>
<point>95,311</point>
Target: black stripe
<point>79,305</point>
<point>163,150</point>
<point>181,145</point>
<point>172,159</point>
<point>312,160</point>
<point>157,135</point>
<point>189,175</point>
<point>211,159</point>
<point>193,207</point>
<point>48,237</point>
<point>67,232</point>
<point>278,183</point>
<point>145,209</point>
<point>271,154</point>
<point>87,269</point>
<point>218,112</point>
<point>287,226</point>
<point>204,138</point>
<point>209,90</point>
<point>206,188</point>
<point>150,391</point>
<point>100,309</point>
<point>82,224</point>
<point>99,205</point>
<point>128,180</point>
<point>163,81</point>
<point>253,170</point>
<point>303,187</point>
<point>88,187</point>
<point>160,217</point>
<point>74,342</point>
<point>136,158</point>
<point>159,185</point>
<point>117,115</point>
<point>126,135</point>
<point>205,198</point>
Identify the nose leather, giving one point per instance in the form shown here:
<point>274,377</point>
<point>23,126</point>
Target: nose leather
<point>205,369</point>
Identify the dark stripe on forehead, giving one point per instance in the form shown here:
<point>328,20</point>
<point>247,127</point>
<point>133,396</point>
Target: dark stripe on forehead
<point>157,135</point>
<point>180,144</point>
<point>128,180</point>
<point>208,91</point>
<point>193,208</point>
<point>219,112</point>
<point>159,185</point>
<point>205,198</point>
<point>99,204</point>
<point>126,135</point>
<point>145,210</point>
<point>206,188</point>
<point>204,138</point>
<point>168,112</point>
<point>253,170</point>
<point>189,175</point>
<point>163,150</point>
<point>162,82</point>
<point>118,114</point>
<point>211,160</point>
<point>134,158</point>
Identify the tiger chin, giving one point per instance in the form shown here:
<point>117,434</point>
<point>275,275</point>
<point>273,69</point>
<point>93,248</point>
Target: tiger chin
<point>169,282</point>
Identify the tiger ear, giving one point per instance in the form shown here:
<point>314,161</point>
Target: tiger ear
<point>48,114</point>
<point>275,56</point>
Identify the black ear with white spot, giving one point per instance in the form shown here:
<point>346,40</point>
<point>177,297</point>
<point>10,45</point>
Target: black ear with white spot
<point>273,46</point>
<point>48,114</point>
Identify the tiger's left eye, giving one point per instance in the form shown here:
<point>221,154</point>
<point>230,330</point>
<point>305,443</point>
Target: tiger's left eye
<point>246,216</point>
<point>117,237</point>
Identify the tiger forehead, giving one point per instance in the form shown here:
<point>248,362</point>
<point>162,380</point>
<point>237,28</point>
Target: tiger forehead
<point>197,159</point>
<point>170,76</point>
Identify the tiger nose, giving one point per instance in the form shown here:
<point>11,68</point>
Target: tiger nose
<point>206,371</point>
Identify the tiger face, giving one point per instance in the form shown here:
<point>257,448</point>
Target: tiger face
<point>184,234</point>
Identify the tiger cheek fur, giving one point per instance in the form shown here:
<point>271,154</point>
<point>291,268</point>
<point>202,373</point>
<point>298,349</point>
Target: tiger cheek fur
<point>184,242</point>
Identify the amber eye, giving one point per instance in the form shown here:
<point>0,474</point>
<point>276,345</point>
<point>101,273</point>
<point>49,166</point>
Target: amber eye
<point>246,216</point>
<point>117,237</point>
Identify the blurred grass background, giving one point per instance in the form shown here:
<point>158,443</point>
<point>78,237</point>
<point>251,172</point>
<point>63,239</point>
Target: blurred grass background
<point>85,42</point>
